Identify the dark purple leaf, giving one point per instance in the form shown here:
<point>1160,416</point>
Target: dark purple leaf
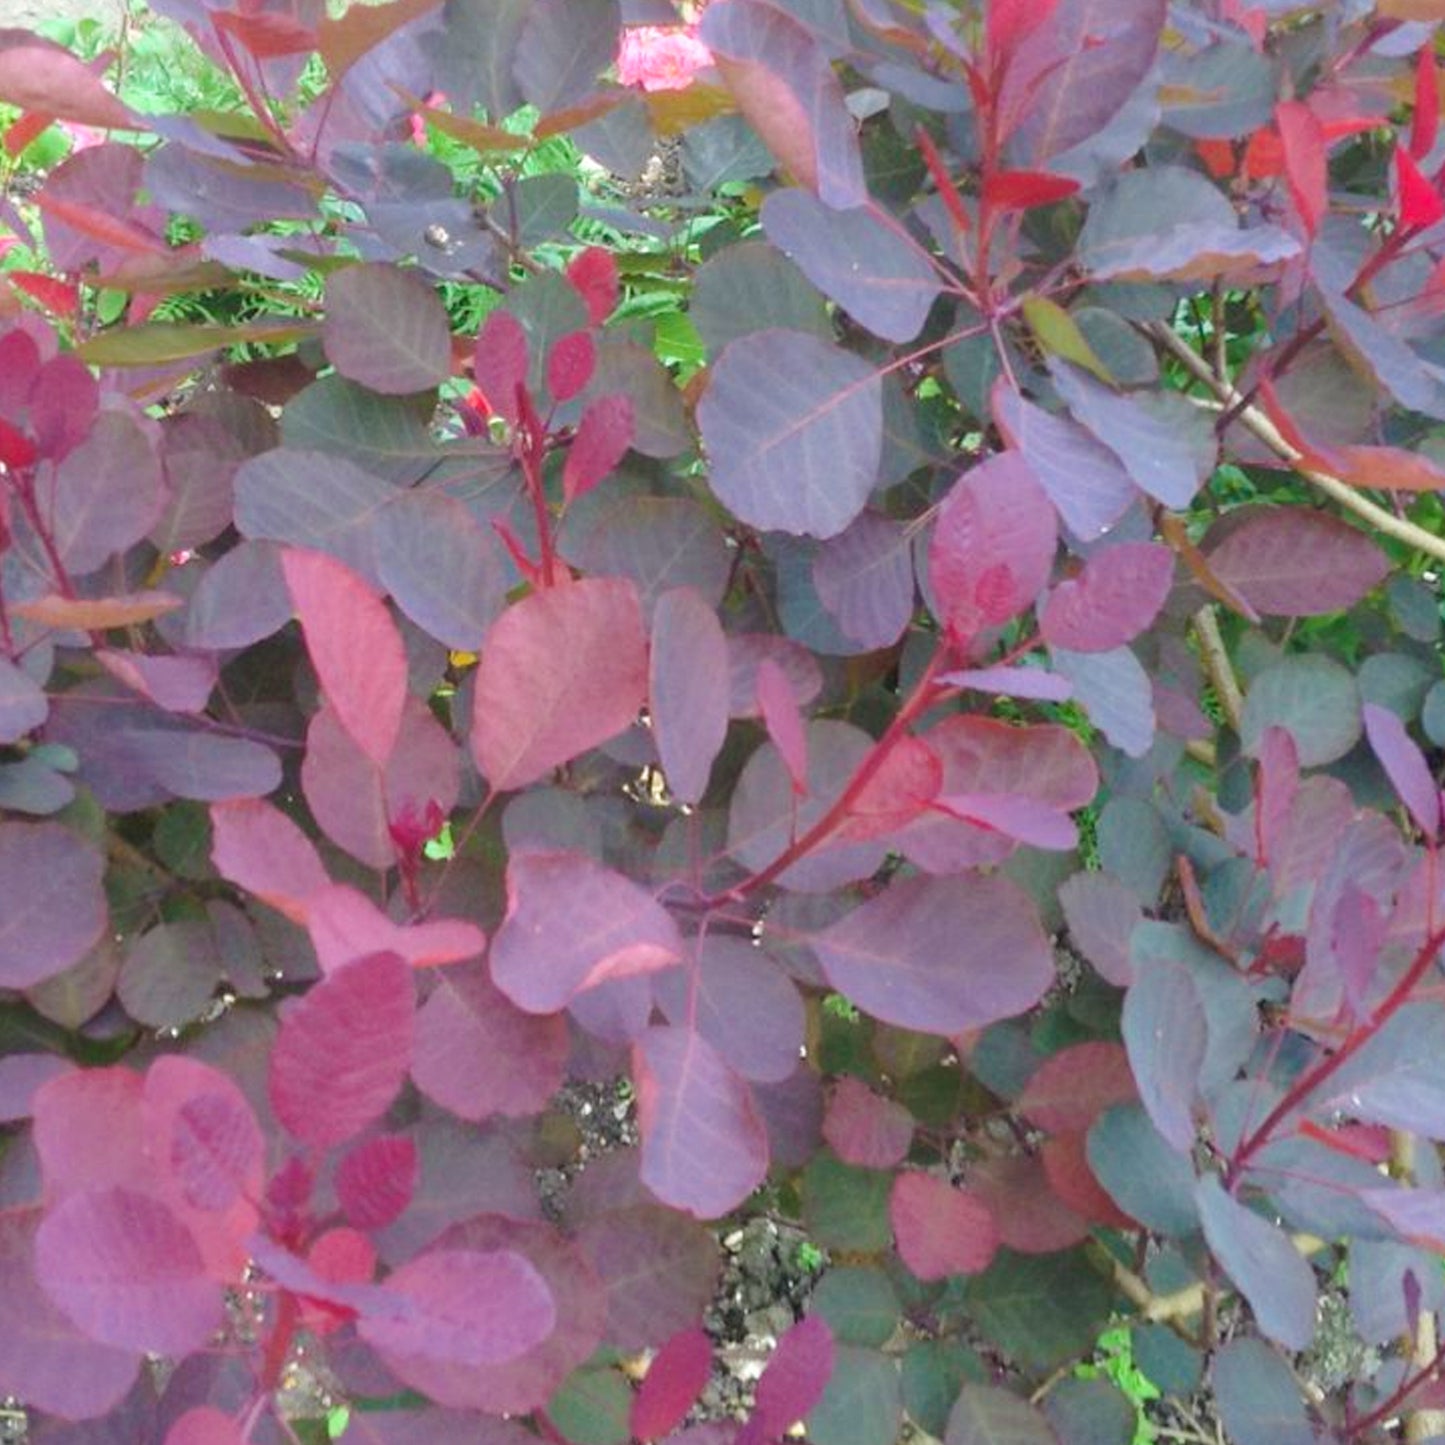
<point>673,1382</point>
<point>127,1272</point>
<point>52,906</point>
<point>704,1149</point>
<point>387,329</point>
<point>200,457</point>
<point>240,599</point>
<point>1286,562</point>
<point>1166,1034</point>
<point>376,1179</point>
<point>207,767</point>
<point>343,1051</point>
<point>867,264</point>
<point>477,1054</point>
<point>784,85</point>
<point>749,287</point>
<point>864,1128</point>
<point>562,671</point>
<point>864,577</point>
<point>1031,1217</point>
<point>22,702</point>
<point>991,1415</point>
<point>1263,1262</point>
<point>1259,1396</point>
<point>561,51</point>
<point>660,426</point>
<point>687,690</point>
<point>572,924</point>
<point>796,1376</point>
<point>1405,764</point>
<point>793,427</point>
<point>603,436</point>
<point>659,1271</point>
<point>940,955</point>
<point>170,973</point>
<point>1141,1173</point>
<point>1115,691</point>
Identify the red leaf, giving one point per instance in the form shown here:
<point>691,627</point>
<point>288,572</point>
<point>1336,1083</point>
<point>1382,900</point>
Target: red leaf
<point>601,441</point>
<point>1418,201</point>
<point>784,722</point>
<point>1425,122</point>
<point>1072,1087</point>
<point>1303,140</point>
<point>1023,190</point>
<point>343,1051</point>
<point>16,449</point>
<point>796,1376</point>
<point>561,672</point>
<point>863,1128</point>
<point>60,298</point>
<point>943,182</point>
<point>1115,598</point>
<point>354,646</point>
<point>594,273</point>
<point>940,1230</point>
<point>672,1385</point>
<point>267,37</point>
<point>500,365</point>
<point>376,1180</point>
<point>570,364</point>
<point>258,848</point>
<point>1066,1166</point>
<point>1012,21</point>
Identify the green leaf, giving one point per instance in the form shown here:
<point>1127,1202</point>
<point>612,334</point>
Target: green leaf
<point>845,1207</point>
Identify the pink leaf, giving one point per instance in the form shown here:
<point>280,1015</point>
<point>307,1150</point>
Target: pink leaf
<point>906,782</point>
<point>570,364</point>
<point>345,925</point>
<point>1406,767</point>
<point>603,436</point>
<point>571,924</point>
<point>784,722</point>
<point>561,672</point>
<point>940,1230</point>
<point>687,690</point>
<point>354,646</point>
<point>1115,598</point>
<point>376,1179</point>
<point>594,274</point>
<point>863,1128</point>
<point>1302,139</point>
<point>796,1376</point>
<point>501,363</point>
<point>673,1382</point>
<point>343,1051</point>
<point>205,1425</point>
<point>127,1272</point>
<point>704,1149</point>
<point>1012,21</point>
<point>257,847</point>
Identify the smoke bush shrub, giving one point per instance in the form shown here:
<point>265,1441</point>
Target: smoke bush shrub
<point>698,673</point>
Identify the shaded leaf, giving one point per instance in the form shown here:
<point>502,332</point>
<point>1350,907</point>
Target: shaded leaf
<point>990,1415</point>
<point>52,906</point>
<point>1259,1399</point>
<point>387,329</point>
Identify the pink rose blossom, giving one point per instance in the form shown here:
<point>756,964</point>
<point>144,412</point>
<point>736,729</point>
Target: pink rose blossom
<point>661,57</point>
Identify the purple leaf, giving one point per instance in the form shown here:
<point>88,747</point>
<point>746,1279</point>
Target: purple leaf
<point>1166,1034</point>
<point>1370,348</point>
<point>343,1051</point>
<point>786,89</point>
<point>1026,682</point>
<point>687,690</point>
<point>1314,698</point>
<point>38,75</point>
<point>1288,562</point>
<point>1115,691</point>
<point>464,1307</point>
<point>992,547</point>
<point>22,703</point>
<point>784,722</point>
<point>561,50</point>
<point>20,1076</point>
<point>354,647</point>
<point>442,568</point>
<point>602,438</point>
<point>746,650</point>
<point>1102,913</point>
<point>200,456</point>
<point>796,1375</point>
<point>864,577</point>
<point>1259,1396</point>
<point>673,1382</point>
<point>704,1149</point>
<point>793,427</point>
<point>1022,819</point>
<point>1262,1261</point>
<point>940,955</point>
<point>376,1179</point>
<point>572,924</point>
<point>387,329</point>
<point>177,684</point>
<point>1032,1218</point>
<point>864,1128</point>
<point>872,269</point>
<point>205,766</point>
<point>170,973</point>
<point>562,671</point>
<point>1115,598</point>
<point>127,1272</point>
<point>478,1055</point>
<point>240,599</point>
<point>1405,765</point>
<point>1356,938</point>
<point>52,906</point>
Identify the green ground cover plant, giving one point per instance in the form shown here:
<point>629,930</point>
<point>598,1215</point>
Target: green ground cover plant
<point>860,574</point>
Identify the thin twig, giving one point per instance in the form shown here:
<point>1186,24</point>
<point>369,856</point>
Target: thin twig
<point>1215,657</point>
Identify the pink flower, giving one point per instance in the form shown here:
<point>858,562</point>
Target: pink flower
<point>418,121</point>
<point>661,57</point>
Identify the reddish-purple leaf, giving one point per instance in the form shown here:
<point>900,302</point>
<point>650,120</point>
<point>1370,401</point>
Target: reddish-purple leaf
<point>464,1307</point>
<point>1116,596</point>
<point>796,1376</point>
<point>354,646</point>
<point>1070,1179</point>
<point>376,1179</point>
<point>1072,1087</point>
<point>1033,683</point>
<point>570,364</point>
<point>704,1149</point>
<point>1405,764</point>
<point>1357,934</point>
<point>501,363</point>
<point>177,684</point>
<point>1023,819</point>
<point>941,955</point>
<point>22,702</point>
<point>387,329</point>
<point>127,1272</point>
<point>784,85</point>
<point>258,848</point>
<point>594,273</point>
<point>784,722</point>
<point>478,1054</point>
<point>673,1382</point>
<point>1030,1217</point>
<point>607,429</point>
<point>561,671</point>
<point>883,279</point>
<point>992,547</point>
<point>687,690</point>
<point>345,925</point>
<point>343,1051</point>
<point>940,1230</point>
<point>864,577</point>
<point>864,1128</point>
<point>746,650</point>
<point>1286,562</point>
<point>793,427</point>
<point>38,75</point>
<point>905,784</point>
<point>1302,139</point>
<point>572,924</point>
<point>205,1425</point>
<point>52,906</point>
<point>240,599</point>
<point>1115,691</point>
<point>1166,1034</point>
